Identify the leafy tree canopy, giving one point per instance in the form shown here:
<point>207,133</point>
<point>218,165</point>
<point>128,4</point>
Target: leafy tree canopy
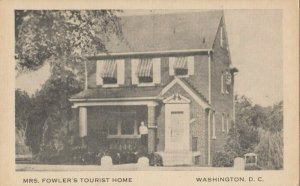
<point>62,36</point>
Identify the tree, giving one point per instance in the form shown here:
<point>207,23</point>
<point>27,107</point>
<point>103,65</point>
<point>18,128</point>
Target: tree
<point>257,129</point>
<point>23,106</point>
<point>62,38</point>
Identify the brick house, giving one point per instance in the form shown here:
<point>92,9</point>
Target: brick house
<point>171,71</point>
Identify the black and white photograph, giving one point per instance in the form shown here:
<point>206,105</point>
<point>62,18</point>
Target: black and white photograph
<point>157,90</point>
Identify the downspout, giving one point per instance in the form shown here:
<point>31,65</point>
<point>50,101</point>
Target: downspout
<point>208,139</point>
<point>209,78</point>
<point>209,101</point>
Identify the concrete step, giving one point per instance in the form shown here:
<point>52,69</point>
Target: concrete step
<point>176,158</point>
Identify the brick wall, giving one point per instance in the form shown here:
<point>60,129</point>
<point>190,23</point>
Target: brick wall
<point>199,79</point>
<point>221,103</point>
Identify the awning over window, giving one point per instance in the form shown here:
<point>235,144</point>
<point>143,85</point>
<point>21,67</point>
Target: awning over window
<point>109,69</point>
<point>145,68</point>
<point>180,63</point>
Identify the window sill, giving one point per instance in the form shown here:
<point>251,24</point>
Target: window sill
<point>122,136</point>
<point>146,84</point>
<point>110,85</point>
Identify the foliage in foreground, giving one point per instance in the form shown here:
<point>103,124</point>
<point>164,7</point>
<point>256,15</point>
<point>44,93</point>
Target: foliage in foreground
<point>256,129</point>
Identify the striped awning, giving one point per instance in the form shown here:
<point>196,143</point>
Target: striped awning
<point>145,68</point>
<point>180,63</point>
<point>109,69</point>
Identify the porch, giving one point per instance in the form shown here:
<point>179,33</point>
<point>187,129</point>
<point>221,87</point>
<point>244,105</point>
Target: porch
<point>115,126</point>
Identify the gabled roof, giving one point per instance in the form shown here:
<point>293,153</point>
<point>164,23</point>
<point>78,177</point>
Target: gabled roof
<point>167,32</point>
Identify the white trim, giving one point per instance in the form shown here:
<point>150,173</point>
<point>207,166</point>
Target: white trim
<point>176,99</point>
<point>99,64</point>
<point>187,89</point>
<point>123,136</point>
<point>82,121</point>
<point>146,84</point>
<point>112,99</point>
<point>156,66</point>
<point>120,71</point>
<point>134,65</point>
<point>110,85</point>
<point>90,104</point>
<point>104,55</point>
<point>191,65</point>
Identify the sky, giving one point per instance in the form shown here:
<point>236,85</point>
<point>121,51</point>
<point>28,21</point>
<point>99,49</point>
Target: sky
<point>255,43</point>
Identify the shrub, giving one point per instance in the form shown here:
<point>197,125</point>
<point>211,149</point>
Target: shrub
<point>155,159</point>
<point>222,159</point>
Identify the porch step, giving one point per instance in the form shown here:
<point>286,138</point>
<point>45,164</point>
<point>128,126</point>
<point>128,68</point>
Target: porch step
<point>176,158</point>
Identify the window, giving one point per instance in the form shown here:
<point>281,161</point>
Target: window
<point>110,72</point>
<point>221,37</point>
<point>213,126</point>
<point>181,66</point>
<point>225,82</point>
<point>223,122</point>
<point>122,124</point>
<point>145,71</point>
<point>227,123</point>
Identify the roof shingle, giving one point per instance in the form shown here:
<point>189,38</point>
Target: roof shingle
<point>179,31</point>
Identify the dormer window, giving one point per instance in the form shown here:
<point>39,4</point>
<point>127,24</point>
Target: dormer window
<point>145,71</point>
<point>181,66</point>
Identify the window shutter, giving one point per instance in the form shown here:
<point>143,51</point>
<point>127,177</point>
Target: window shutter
<point>171,65</point>
<point>191,65</point>
<point>156,70</point>
<point>99,65</point>
<point>134,65</point>
<point>121,71</point>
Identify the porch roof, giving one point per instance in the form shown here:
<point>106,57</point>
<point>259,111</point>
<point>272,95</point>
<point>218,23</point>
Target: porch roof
<point>118,92</point>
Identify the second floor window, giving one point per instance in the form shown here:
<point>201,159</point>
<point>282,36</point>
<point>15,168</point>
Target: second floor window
<point>109,72</point>
<point>181,66</point>
<point>145,71</point>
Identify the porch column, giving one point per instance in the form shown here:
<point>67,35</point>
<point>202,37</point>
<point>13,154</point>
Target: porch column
<point>82,122</point>
<point>151,128</point>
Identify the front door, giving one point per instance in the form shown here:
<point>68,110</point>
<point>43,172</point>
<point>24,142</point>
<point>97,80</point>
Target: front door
<point>177,127</point>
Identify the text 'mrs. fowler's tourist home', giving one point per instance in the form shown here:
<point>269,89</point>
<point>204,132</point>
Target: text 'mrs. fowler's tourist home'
<point>173,72</point>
